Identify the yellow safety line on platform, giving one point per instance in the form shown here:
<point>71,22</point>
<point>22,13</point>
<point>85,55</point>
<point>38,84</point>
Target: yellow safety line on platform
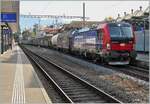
<point>18,96</point>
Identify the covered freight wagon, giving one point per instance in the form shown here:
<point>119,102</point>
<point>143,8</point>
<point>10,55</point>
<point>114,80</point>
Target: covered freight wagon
<point>61,40</point>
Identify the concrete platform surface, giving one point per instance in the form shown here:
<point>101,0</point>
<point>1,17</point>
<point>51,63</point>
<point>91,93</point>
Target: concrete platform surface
<point>19,83</point>
<point>142,57</point>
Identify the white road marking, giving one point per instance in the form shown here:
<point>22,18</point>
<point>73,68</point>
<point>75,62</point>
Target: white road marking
<point>18,96</point>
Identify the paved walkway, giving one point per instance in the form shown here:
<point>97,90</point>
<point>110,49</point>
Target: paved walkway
<point>143,57</point>
<point>19,83</point>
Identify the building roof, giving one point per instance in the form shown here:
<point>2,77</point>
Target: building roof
<point>127,16</point>
<point>51,30</point>
<point>80,24</point>
<point>138,15</point>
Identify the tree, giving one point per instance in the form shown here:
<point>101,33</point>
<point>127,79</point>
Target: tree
<point>26,34</point>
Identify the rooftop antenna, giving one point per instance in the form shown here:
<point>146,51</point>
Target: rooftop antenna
<point>131,11</point>
<point>125,13</point>
<point>140,8</point>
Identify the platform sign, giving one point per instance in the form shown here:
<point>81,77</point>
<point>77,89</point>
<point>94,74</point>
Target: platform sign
<point>8,17</point>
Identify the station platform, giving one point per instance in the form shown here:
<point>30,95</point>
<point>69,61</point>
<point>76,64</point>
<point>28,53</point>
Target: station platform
<point>19,81</point>
<point>143,57</point>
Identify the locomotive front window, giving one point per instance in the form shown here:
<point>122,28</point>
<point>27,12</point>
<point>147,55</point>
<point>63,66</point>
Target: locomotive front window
<point>126,31</point>
<point>120,31</point>
<point>115,31</point>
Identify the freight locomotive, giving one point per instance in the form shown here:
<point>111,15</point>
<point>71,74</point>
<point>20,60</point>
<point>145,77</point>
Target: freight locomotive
<point>113,43</point>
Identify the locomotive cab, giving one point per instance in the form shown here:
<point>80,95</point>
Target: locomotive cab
<point>118,43</point>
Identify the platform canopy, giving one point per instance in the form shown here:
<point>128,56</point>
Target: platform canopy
<point>10,11</point>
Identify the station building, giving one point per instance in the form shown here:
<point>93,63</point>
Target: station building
<point>9,23</point>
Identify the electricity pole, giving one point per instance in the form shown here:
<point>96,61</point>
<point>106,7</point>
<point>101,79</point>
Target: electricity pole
<point>83,14</point>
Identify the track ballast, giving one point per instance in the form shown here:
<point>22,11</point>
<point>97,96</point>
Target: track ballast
<point>72,88</point>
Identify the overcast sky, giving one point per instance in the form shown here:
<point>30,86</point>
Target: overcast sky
<point>96,10</point>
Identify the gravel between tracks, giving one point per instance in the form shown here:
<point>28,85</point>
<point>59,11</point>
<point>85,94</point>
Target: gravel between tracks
<point>121,86</point>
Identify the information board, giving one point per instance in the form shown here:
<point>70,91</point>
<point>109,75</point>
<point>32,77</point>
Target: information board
<point>8,17</point>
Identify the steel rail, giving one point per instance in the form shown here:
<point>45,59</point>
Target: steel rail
<point>56,86</point>
<point>97,90</point>
<point>129,71</point>
<point>139,68</point>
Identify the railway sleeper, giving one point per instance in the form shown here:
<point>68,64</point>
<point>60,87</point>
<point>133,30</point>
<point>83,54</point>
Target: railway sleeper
<point>83,92</point>
<point>87,100</point>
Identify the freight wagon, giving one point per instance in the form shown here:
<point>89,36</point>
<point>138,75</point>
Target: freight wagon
<point>113,43</point>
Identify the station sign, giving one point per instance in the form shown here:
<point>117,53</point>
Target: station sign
<point>8,17</point>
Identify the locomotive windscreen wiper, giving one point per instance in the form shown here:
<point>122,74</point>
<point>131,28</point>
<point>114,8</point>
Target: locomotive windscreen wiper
<point>121,31</point>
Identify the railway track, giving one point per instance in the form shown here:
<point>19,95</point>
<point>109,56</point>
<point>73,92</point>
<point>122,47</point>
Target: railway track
<point>72,88</point>
<point>139,69</point>
<point>134,71</point>
<point>137,72</point>
<point>144,65</point>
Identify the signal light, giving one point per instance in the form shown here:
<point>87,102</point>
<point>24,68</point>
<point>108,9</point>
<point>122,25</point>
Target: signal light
<point>108,46</point>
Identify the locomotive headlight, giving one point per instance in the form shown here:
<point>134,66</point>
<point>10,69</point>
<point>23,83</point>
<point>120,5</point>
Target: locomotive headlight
<point>108,46</point>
